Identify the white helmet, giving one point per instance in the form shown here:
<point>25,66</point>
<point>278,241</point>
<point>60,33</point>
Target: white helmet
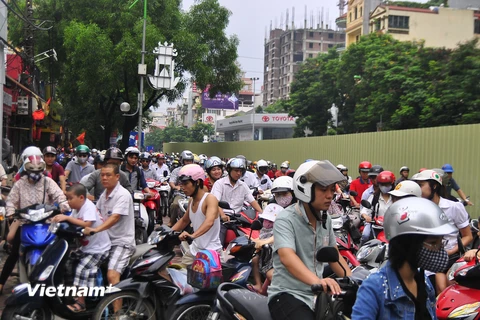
<point>262,163</point>
<point>322,172</point>
<point>132,150</point>
<point>285,165</point>
<point>341,167</point>
<point>407,188</point>
<point>428,175</point>
<point>31,151</point>
<point>282,184</point>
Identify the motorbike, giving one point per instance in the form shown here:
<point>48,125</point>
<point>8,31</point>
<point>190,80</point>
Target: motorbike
<point>34,236</point>
<point>164,190</point>
<point>377,225</point>
<point>373,254</point>
<point>52,269</point>
<point>142,220</point>
<point>239,224</point>
<point>345,243</point>
<point>152,205</point>
<point>461,300</point>
<point>149,294</point>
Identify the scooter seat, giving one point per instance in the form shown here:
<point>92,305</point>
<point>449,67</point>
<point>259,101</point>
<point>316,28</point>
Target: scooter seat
<point>249,304</point>
<point>140,250</point>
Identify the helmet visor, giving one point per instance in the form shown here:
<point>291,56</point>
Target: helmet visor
<point>324,173</point>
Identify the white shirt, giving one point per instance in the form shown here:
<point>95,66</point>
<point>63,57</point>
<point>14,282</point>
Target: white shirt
<point>456,212</point>
<point>99,242</point>
<point>250,179</point>
<point>382,206</point>
<point>235,195</point>
<point>265,186</point>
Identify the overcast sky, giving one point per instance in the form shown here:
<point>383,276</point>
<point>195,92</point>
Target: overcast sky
<point>250,18</point>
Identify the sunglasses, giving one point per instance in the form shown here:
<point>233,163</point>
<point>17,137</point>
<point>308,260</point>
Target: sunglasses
<point>83,155</point>
<point>145,160</point>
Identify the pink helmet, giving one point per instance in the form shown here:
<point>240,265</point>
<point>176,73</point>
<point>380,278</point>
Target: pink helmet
<point>191,172</point>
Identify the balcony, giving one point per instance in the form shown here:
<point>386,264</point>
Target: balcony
<point>341,21</point>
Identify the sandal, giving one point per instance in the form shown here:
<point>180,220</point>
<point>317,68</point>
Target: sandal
<point>77,307</point>
<point>252,288</point>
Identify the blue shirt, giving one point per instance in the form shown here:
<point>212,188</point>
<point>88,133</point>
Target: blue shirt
<point>381,296</point>
<point>366,194</point>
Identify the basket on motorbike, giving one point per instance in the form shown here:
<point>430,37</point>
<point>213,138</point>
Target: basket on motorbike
<point>208,280</point>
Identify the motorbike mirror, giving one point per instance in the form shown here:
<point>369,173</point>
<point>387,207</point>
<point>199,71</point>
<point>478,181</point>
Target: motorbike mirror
<point>165,174</point>
<point>327,254</point>
<point>256,225</point>
<point>381,256</point>
<point>224,205</point>
<point>366,204</point>
<point>474,224</point>
<point>263,181</point>
<point>353,193</point>
<point>11,169</point>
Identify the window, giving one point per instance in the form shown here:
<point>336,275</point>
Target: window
<point>476,28</point>
<point>330,36</point>
<point>310,45</point>
<point>356,13</point>
<point>311,34</point>
<point>398,22</point>
<point>361,14</point>
<point>357,38</point>
<point>330,45</point>
<point>377,25</point>
<point>342,36</point>
<point>310,55</point>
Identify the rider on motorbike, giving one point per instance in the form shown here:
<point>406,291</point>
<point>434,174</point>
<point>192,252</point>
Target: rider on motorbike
<point>76,170</point>
<point>400,290</point>
<point>147,171</point>
<point>261,175</point>
<point>299,231</point>
<point>135,174</point>
<point>214,169</point>
<point>186,157</point>
<point>360,184</point>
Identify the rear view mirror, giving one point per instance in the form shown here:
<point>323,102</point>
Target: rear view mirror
<point>366,204</point>
<point>223,205</point>
<point>165,174</point>
<point>353,193</point>
<point>327,254</point>
<point>256,225</point>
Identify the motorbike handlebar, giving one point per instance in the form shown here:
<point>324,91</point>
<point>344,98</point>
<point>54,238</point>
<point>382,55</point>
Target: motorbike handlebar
<point>189,240</point>
<point>316,288</point>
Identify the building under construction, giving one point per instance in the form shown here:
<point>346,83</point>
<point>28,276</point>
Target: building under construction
<point>287,47</point>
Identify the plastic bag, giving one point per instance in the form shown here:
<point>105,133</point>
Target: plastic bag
<point>179,278</point>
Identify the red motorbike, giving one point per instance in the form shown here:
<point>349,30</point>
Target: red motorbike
<point>345,243</point>
<point>240,223</point>
<point>152,204</point>
<point>461,300</point>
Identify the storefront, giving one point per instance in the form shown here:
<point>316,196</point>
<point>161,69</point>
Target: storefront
<point>264,126</point>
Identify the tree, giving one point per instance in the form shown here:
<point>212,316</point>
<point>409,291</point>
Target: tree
<point>98,44</point>
<point>278,106</point>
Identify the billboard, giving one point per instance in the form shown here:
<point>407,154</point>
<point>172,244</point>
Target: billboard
<point>133,139</point>
<point>219,101</point>
<point>209,118</point>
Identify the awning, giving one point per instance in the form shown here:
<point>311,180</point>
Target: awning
<point>18,84</point>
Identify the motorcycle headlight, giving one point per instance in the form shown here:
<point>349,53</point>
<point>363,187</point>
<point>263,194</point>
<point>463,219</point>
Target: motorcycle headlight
<point>231,248</point>
<point>454,268</point>
<point>138,196</point>
<point>364,252</point>
<point>465,310</point>
<point>464,271</point>
<point>36,215</point>
<point>151,184</point>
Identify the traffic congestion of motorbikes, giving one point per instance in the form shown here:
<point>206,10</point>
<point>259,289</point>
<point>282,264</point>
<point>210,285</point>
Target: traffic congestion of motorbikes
<point>388,244</point>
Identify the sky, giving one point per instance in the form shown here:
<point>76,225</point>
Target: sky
<point>250,18</point>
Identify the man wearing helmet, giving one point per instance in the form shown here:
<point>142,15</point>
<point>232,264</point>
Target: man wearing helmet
<point>76,170</point>
<point>400,289</point>
<point>186,157</point>
<point>380,202</point>
<point>263,181</point>
<point>233,190</point>
<point>283,169</point>
<point>202,213</point>
<point>452,184</point>
<point>56,170</point>
<point>147,171</point>
<point>160,167</point>
<point>360,184</point>
<point>273,170</point>
<point>404,172</point>
<point>135,174</point>
<point>375,170</point>
<point>94,181</point>
<point>299,231</point>
<point>248,176</point>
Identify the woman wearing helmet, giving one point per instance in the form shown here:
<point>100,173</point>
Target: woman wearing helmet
<point>406,189</point>
<point>299,231</point>
<point>404,172</point>
<point>282,190</point>
<point>214,169</point>
<point>430,183</point>
<point>76,170</point>
<point>32,188</point>
<point>400,290</point>
<point>202,213</point>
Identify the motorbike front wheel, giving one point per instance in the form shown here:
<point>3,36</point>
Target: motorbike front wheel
<point>132,307</point>
<point>141,236</point>
<point>191,311</point>
<point>12,312</point>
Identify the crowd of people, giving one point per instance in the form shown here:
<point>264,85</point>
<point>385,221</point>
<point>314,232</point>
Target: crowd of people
<point>420,219</point>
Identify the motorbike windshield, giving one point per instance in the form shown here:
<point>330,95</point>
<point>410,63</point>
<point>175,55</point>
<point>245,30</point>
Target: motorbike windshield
<point>324,173</point>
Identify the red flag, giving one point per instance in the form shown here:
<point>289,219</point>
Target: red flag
<point>48,101</point>
<point>81,138</point>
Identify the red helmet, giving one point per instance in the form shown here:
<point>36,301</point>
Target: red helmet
<point>386,177</point>
<point>364,166</point>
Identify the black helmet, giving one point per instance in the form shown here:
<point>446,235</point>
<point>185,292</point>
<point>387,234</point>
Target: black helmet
<point>114,153</point>
<point>375,170</point>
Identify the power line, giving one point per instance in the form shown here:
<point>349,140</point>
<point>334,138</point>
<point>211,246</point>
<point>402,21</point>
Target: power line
<point>250,58</point>
<point>23,18</point>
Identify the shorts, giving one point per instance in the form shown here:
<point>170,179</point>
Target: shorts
<point>87,269</point>
<point>119,257</point>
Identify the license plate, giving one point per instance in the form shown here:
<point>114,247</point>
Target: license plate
<point>136,206</point>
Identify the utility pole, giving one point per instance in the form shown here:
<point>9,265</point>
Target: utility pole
<point>3,35</point>
<point>253,115</point>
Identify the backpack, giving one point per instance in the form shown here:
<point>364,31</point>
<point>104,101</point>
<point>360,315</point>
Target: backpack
<point>207,269</point>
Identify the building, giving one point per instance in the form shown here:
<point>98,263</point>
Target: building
<point>265,126</point>
<point>437,26</point>
<point>285,51</point>
<point>357,19</point>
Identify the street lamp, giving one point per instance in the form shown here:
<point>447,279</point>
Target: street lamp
<point>125,107</point>
<point>253,114</point>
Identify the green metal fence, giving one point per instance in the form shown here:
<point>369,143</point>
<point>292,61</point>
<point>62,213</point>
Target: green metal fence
<point>416,148</point>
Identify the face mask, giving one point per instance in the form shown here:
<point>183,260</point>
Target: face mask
<point>267,224</point>
<point>81,160</point>
<point>284,201</point>
<point>34,176</point>
<point>385,189</point>
<point>434,261</point>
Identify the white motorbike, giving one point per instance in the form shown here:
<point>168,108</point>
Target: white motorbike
<point>164,189</point>
<point>141,217</point>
